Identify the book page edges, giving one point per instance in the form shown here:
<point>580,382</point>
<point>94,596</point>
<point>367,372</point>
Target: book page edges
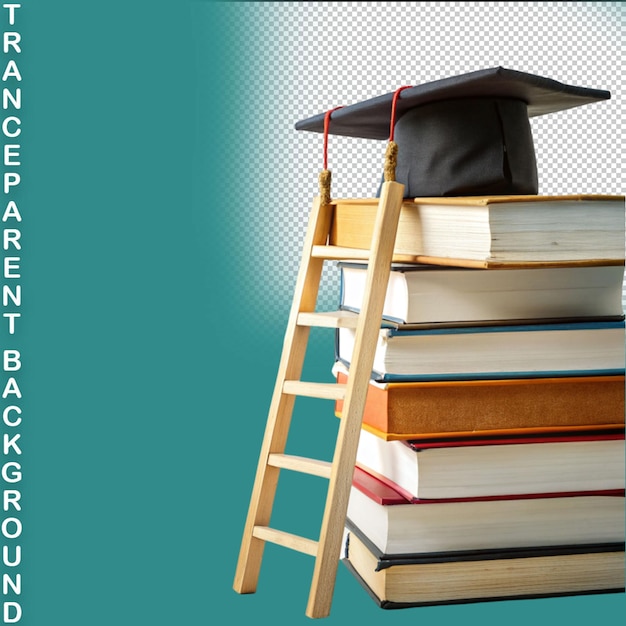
<point>494,265</point>
<point>485,200</point>
<point>346,253</point>
<point>503,432</point>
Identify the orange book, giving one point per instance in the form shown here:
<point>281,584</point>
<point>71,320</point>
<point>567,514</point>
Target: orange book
<point>407,410</point>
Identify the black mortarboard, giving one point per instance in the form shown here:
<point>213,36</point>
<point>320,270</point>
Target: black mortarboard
<point>465,135</point>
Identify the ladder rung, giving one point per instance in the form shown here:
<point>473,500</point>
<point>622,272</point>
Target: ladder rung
<point>325,391</point>
<point>301,464</point>
<point>280,537</point>
<point>329,319</point>
<point>338,252</point>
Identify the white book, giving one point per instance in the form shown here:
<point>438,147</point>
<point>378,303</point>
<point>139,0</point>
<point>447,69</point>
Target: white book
<point>396,525</point>
<point>493,351</point>
<point>423,294</point>
<point>471,471</point>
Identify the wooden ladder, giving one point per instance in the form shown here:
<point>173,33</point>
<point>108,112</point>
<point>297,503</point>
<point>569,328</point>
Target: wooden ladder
<point>257,531</point>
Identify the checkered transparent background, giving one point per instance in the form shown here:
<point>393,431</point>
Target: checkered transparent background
<point>303,58</point>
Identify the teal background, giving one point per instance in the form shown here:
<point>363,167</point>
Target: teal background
<point>148,354</point>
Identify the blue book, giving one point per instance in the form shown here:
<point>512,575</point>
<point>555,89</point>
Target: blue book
<point>493,351</point>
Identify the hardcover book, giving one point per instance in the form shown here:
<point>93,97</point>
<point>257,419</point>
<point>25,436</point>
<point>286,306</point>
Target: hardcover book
<point>489,231</point>
<point>396,524</point>
<point>493,467</point>
<point>430,294</point>
<point>408,410</point>
<point>419,580</point>
<point>493,351</point>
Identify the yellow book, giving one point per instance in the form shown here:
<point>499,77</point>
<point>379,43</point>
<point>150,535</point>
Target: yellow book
<point>493,231</point>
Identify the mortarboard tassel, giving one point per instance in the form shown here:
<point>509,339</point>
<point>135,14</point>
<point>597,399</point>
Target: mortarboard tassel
<point>324,181</point>
<point>391,160</point>
<point>391,154</point>
<point>325,175</point>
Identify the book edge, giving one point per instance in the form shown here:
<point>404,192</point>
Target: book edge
<point>389,605</point>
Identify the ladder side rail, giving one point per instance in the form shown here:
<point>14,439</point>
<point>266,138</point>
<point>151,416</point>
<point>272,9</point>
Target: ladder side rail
<point>368,327</point>
<point>281,406</point>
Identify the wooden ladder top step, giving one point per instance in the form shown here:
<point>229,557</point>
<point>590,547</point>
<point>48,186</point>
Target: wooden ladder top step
<point>337,253</point>
<point>329,319</point>
<point>341,253</point>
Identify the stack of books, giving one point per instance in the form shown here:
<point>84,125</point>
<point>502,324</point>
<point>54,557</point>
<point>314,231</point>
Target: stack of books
<point>491,458</point>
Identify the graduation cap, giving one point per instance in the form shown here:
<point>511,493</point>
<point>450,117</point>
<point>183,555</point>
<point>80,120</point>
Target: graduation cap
<point>466,135</point>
